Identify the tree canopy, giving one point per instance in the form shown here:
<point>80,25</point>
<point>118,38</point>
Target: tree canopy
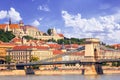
<point>34,58</point>
<point>68,41</point>
<point>71,41</point>
<point>49,31</point>
<point>6,36</point>
<point>8,59</point>
<point>29,38</point>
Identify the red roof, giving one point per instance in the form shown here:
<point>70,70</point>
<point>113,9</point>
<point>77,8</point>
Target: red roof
<point>2,44</point>
<point>61,35</point>
<point>21,47</point>
<point>72,46</point>
<point>116,45</point>
<point>41,47</point>
<point>16,39</point>
<point>2,26</point>
<point>14,26</point>
<point>25,47</point>
<point>57,52</point>
<point>54,46</point>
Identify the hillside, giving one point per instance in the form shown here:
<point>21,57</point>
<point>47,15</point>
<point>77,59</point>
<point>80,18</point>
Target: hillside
<point>6,36</point>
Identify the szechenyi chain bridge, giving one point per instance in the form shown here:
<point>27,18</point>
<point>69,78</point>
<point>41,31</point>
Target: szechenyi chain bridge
<point>91,62</point>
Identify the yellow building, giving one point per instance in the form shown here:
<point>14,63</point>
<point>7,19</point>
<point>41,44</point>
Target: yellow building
<point>42,53</point>
<point>3,48</point>
<point>20,54</point>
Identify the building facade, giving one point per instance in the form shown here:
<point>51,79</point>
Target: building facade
<point>20,54</point>
<point>21,30</point>
<point>3,48</point>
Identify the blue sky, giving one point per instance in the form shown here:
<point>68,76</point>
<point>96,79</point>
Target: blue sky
<point>73,18</point>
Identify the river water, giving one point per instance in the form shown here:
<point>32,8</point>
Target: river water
<point>62,77</point>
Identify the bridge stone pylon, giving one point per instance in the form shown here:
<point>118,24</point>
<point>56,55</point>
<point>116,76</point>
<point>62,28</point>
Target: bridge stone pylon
<point>92,49</point>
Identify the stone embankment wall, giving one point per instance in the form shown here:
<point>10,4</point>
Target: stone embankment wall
<point>12,72</point>
<point>57,72</point>
<point>53,72</point>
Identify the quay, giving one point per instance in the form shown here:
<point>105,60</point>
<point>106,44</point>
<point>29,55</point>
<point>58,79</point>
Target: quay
<point>106,70</point>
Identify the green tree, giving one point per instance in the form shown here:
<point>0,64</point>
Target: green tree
<point>105,64</point>
<point>60,41</point>
<point>6,36</point>
<point>109,46</point>
<point>114,63</point>
<point>28,37</point>
<point>8,60</point>
<point>71,40</point>
<point>118,64</point>
<point>34,59</point>
<point>49,31</point>
<point>51,40</point>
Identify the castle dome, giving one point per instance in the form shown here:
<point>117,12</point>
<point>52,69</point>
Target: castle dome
<point>21,23</point>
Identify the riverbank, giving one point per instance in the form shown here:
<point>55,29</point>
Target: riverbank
<point>65,72</point>
<point>52,72</point>
<point>12,72</point>
<point>57,72</point>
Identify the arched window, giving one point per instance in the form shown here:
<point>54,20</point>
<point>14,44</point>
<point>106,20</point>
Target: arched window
<point>95,53</point>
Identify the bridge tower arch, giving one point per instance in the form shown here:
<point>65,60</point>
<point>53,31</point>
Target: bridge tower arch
<point>92,48</point>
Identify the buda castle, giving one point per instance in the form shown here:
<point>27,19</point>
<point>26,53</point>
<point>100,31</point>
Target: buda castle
<point>20,30</point>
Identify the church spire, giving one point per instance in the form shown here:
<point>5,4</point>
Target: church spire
<point>10,21</point>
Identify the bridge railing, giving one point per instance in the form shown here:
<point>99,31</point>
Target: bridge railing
<point>54,58</point>
<point>88,59</point>
<point>92,59</point>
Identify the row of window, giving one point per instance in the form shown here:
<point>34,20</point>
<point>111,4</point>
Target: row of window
<point>19,53</point>
<point>19,57</point>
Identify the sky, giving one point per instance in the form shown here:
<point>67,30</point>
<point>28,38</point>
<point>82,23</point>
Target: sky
<point>74,18</point>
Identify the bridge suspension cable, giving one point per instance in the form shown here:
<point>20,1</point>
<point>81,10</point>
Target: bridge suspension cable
<point>60,55</point>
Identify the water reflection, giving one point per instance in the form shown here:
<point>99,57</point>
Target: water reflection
<point>92,77</point>
<point>62,77</point>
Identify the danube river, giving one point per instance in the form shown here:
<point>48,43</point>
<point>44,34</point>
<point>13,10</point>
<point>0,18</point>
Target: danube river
<point>62,77</point>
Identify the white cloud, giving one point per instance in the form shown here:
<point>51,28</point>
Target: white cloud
<point>58,30</point>
<point>107,28</point>
<point>77,22</point>
<point>3,14</point>
<point>43,8</point>
<point>36,23</point>
<point>12,13</point>
<point>40,19</point>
